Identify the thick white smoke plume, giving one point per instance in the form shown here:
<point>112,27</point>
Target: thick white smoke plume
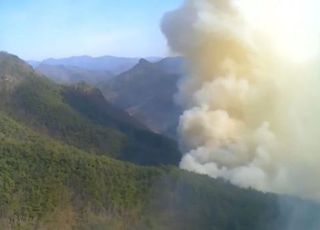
<point>251,96</point>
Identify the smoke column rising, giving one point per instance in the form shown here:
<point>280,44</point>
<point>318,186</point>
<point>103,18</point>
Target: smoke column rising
<point>250,98</point>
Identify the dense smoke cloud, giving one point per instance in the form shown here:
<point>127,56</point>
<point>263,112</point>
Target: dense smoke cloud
<point>251,114</point>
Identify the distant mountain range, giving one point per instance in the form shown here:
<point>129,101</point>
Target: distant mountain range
<point>114,65</point>
<point>69,75</point>
<point>146,90</point>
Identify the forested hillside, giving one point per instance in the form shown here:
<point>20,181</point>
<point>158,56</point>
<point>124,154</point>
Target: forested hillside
<point>79,116</point>
<point>146,90</point>
<point>60,169</point>
<point>46,185</point>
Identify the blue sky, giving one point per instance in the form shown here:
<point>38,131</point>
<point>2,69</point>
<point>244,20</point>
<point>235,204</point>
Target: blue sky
<point>37,29</point>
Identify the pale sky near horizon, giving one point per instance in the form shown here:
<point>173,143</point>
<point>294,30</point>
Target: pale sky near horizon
<point>35,29</point>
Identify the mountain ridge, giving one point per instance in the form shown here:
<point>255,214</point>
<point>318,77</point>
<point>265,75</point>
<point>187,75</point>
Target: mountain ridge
<point>112,64</point>
<point>146,91</point>
<point>63,113</point>
<point>69,75</point>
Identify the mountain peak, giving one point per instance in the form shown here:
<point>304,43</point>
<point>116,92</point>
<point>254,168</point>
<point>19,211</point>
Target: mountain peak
<point>13,69</point>
<point>6,57</point>
<point>143,62</point>
<point>8,60</point>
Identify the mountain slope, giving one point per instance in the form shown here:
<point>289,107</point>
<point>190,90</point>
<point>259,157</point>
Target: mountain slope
<point>46,185</point>
<point>112,64</point>
<point>141,146</point>
<point>58,112</point>
<point>71,75</point>
<point>147,93</point>
<point>9,67</point>
<point>172,65</point>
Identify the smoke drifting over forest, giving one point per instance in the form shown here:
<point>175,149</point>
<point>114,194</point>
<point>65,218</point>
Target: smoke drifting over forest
<point>251,115</point>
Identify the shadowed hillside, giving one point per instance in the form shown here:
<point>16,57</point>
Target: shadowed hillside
<point>147,92</point>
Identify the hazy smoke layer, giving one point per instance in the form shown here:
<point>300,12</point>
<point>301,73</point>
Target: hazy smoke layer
<point>251,94</point>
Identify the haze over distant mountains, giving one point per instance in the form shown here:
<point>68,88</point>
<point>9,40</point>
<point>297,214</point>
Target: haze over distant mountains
<point>63,74</point>
<point>114,65</point>
<point>144,88</point>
